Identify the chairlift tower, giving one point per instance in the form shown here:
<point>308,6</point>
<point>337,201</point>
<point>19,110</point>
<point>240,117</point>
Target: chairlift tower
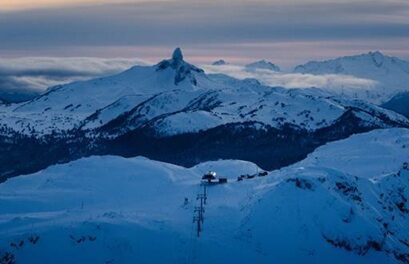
<point>199,211</point>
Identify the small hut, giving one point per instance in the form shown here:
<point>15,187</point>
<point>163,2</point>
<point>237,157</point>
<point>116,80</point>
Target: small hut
<point>211,178</point>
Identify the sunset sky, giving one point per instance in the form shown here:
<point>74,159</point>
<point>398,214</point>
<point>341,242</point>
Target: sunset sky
<point>285,32</point>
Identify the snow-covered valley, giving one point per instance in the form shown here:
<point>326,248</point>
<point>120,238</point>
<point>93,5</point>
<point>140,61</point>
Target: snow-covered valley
<point>346,202</point>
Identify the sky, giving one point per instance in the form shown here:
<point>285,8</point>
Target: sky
<point>285,32</point>
<point>100,37</point>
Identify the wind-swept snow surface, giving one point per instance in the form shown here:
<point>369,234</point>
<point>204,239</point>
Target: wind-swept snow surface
<point>116,210</point>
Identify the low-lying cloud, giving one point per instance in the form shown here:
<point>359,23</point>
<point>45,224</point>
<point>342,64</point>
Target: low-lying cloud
<point>331,82</point>
<point>24,78</point>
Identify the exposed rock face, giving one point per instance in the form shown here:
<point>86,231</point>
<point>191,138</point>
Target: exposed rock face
<point>177,55</point>
<point>183,70</point>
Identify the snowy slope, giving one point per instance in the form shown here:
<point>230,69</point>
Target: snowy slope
<point>365,155</point>
<point>391,74</point>
<point>65,106</point>
<point>174,97</point>
<point>116,210</point>
<point>178,112</point>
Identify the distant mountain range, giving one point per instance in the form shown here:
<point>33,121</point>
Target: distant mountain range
<point>175,112</point>
<point>263,65</point>
<point>385,76</point>
<point>390,73</point>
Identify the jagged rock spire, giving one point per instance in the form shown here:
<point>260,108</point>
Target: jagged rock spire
<point>183,70</point>
<point>177,55</point>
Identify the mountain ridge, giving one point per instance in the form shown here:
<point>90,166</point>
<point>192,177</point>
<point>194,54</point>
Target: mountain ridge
<point>190,115</point>
<point>391,73</point>
<point>262,65</point>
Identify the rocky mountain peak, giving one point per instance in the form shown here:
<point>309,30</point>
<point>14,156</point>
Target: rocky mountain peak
<point>183,70</point>
<point>177,55</point>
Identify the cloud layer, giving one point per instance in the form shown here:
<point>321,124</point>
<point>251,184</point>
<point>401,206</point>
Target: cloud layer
<point>23,78</point>
<point>330,82</point>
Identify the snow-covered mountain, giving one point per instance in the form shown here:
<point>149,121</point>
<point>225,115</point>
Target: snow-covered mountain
<point>262,65</point>
<point>66,106</point>
<point>331,207</point>
<point>187,114</point>
<point>391,74</point>
<point>170,91</point>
